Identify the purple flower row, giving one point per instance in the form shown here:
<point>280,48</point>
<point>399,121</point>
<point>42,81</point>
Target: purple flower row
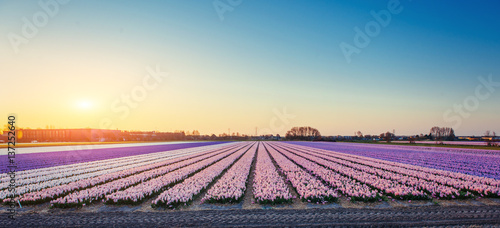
<point>460,181</point>
<point>453,159</point>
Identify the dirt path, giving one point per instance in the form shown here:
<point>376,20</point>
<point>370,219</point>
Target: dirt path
<point>417,216</point>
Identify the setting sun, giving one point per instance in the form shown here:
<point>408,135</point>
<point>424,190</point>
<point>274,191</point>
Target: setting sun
<point>85,105</point>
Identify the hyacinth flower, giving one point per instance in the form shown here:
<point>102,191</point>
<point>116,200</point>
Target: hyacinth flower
<point>45,191</point>
<point>307,186</point>
<point>112,187</point>
<point>268,186</point>
<point>429,180</point>
<point>151,187</point>
<point>184,192</point>
<point>231,187</point>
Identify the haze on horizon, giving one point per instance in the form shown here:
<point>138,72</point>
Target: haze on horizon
<point>184,65</point>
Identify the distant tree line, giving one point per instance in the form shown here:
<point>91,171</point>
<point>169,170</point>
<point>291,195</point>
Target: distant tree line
<point>303,133</point>
<point>388,136</point>
<point>442,133</point>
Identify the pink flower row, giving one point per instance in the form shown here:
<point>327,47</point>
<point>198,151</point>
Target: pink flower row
<point>387,186</point>
<point>268,185</point>
<point>145,189</point>
<point>232,185</point>
<point>43,174</point>
<point>437,185</point>
<point>53,192</point>
<point>56,180</point>
<point>459,181</point>
<point>308,187</point>
<point>99,191</point>
<point>344,184</point>
<point>184,192</point>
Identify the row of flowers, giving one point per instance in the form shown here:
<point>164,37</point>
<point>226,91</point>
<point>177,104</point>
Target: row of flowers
<point>184,192</point>
<point>347,186</point>
<point>453,159</point>
<point>460,181</point>
<point>45,174</point>
<point>143,190</point>
<point>98,192</point>
<point>62,175</point>
<point>387,186</point>
<point>431,187</point>
<point>268,186</point>
<point>75,182</point>
<point>448,163</point>
<point>231,187</point>
<point>308,187</point>
<point>30,161</point>
<point>426,170</point>
<point>47,194</point>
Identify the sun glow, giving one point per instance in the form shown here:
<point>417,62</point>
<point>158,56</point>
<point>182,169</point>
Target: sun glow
<point>85,105</point>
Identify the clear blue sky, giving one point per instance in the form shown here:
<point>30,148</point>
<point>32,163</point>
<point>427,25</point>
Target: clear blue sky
<point>263,56</point>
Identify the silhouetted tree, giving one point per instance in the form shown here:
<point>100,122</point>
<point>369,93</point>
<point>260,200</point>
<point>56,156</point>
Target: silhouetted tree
<point>303,133</point>
<point>490,138</point>
<point>388,136</point>
<point>442,133</point>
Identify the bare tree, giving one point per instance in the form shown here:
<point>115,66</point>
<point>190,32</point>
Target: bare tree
<point>490,138</point>
<point>442,133</point>
<point>303,133</point>
<point>388,136</point>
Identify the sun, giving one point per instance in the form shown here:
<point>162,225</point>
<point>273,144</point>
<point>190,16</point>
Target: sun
<point>84,105</point>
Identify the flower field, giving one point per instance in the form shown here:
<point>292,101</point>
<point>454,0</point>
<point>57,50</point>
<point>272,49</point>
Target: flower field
<point>270,172</point>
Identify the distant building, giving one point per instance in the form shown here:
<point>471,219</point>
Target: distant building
<point>92,135</point>
<point>67,135</point>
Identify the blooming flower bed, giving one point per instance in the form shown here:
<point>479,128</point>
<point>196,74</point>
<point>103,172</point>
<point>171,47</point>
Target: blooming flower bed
<point>177,177</point>
<point>185,191</point>
<point>308,187</point>
<point>231,187</point>
<point>268,186</point>
<point>156,168</point>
